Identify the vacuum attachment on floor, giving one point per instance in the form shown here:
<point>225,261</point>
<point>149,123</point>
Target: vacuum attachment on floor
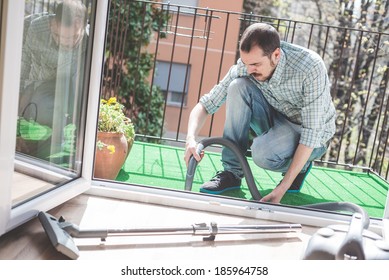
<point>59,238</point>
<point>61,233</point>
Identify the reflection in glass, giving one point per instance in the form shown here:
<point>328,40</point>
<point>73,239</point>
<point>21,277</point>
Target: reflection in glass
<point>51,79</point>
<point>51,88</point>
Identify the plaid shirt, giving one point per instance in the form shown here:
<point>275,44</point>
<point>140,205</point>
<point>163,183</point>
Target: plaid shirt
<point>299,89</point>
<point>42,59</point>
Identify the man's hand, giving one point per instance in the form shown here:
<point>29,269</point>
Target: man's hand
<point>276,195</point>
<point>191,149</point>
<point>196,121</point>
<point>300,157</point>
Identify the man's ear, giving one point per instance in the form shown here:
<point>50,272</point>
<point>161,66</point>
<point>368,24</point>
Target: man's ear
<point>277,54</point>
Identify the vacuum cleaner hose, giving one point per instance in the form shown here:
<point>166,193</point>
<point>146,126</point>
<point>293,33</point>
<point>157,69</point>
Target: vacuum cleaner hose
<point>242,159</point>
<point>343,206</point>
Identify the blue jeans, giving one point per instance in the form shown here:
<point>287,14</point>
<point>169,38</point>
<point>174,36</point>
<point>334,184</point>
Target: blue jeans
<point>277,138</point>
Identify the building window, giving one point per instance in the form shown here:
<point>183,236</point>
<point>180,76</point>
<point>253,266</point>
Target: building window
<point>190,3</point>
<point>170,78</point>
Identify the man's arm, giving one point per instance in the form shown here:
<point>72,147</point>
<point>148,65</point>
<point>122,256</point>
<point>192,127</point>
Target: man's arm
<point>300,158</point>
<point>208,105</point>
<point>26,58</point>
<point>316,104</point>
<point>196,121</point>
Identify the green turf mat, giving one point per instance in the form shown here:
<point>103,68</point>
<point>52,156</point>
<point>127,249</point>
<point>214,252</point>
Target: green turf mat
<point>163,166</point>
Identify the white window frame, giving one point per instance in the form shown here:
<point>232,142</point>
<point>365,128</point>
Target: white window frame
<point>9,76</point>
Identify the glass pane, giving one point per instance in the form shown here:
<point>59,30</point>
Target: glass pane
<point>52,95</point>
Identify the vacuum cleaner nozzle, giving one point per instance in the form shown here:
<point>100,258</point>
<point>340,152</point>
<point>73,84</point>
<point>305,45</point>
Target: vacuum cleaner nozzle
<point>59,238</point>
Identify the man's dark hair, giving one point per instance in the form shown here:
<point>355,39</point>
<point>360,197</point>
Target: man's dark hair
<point>70,12</point>
<point>261,35</point>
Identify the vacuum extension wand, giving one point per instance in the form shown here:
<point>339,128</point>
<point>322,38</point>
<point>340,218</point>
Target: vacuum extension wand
<point>61,232</point>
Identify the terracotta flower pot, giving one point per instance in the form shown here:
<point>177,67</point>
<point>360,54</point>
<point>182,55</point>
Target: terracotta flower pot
<point>108,162</point>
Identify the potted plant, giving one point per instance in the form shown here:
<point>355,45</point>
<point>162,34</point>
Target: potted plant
<point>115,136</point>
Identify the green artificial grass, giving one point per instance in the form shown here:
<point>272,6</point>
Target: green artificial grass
<point>163,166</point>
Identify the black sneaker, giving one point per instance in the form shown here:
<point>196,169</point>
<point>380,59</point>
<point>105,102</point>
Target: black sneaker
<point>299,181</point>
<point>221,182</point>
